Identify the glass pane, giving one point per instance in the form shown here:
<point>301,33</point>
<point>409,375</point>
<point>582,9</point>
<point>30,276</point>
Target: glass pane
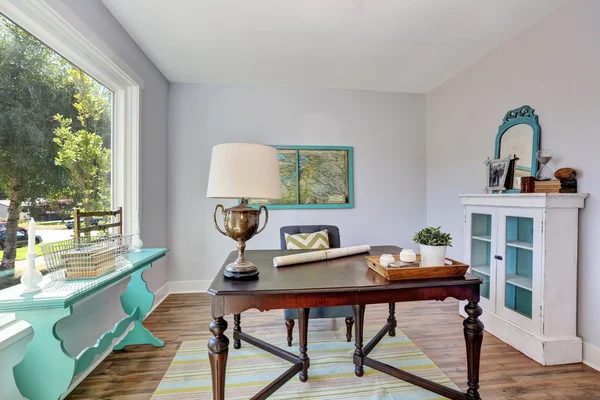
<point>519,264</point>
<point>481,229</point>
<point>56,135</point>
<point>323,176</point>
<point>485,286</point>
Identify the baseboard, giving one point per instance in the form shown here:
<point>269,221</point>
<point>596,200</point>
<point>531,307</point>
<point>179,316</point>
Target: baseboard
<point>591,356</point>
<point>189,286</point>
<point>160,295</point>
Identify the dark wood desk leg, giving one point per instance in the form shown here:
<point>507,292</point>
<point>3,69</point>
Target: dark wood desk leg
<point>359,321</point>
<point>392,319</point>
<point>218,348</point>
<point>289,325</point>
<point>303,328</point>
<point>349,323</point>
<point>237,343</point>
<point>473,337</point>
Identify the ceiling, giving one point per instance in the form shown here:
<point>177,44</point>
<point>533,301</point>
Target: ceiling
<point>389,45</point>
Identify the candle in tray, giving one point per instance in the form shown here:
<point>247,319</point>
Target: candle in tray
<point>31,233</point>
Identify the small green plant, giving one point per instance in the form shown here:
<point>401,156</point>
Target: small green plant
<point>431,236</point>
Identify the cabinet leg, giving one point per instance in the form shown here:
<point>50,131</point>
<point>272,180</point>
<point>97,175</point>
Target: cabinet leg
<point>359,320</point>
<point>303,338</point>
<point>218,349</point>
<point>392,319</point>
<point>138,295</point>
<point>473,328</point>
<point>237,343</point>
<point>47,370</point>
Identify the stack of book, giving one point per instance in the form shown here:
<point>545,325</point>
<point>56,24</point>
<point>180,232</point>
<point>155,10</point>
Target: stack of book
<point>556,186</point>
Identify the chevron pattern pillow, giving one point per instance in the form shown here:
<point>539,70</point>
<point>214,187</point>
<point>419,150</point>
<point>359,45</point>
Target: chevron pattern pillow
<point>315,240</point>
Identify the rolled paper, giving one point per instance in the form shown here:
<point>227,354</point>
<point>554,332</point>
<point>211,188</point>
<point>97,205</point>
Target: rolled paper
<point>319,255</point>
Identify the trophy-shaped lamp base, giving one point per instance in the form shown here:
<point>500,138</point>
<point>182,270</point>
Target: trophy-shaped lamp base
<point>242,275</point>
<point>241,224</point>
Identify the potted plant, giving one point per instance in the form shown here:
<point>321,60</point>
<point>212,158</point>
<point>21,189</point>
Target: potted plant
<point>432,242</point>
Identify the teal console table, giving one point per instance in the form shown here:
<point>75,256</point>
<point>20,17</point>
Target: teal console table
<point>47,370</point>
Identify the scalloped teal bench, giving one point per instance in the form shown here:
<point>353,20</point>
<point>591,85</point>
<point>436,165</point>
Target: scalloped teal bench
<point>48,369</point>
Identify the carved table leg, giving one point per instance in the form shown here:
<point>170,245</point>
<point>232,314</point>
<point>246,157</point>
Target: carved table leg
<point>349,323</point>
<point>289,324</point>
<point>47,369</point>
<point>359,319</point>
<point>473,328</point>
<point>138,295</point>
<point>218,348</point>
<point>392,319</point>
<point>237,343</point>
<point>303,328</point>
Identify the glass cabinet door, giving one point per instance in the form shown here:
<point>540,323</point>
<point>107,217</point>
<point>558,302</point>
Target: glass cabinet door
<point>518,273</point>
<point>481,249</point>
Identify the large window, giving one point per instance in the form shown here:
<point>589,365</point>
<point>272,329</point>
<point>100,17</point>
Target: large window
<point>56,146</point>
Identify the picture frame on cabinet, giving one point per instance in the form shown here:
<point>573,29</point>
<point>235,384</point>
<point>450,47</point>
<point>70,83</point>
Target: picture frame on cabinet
<point>497,170</point>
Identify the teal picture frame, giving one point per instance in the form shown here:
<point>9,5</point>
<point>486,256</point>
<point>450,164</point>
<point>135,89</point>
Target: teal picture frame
<point>522,115</point>
<point>298,205</point>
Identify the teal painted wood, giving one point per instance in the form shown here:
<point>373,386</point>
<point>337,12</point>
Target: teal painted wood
<point>86,357</point>
<point>349,204</point>
<point>47,369</point>
<point>139,296</point>
<point>11,301</point>
<point>521,115</point>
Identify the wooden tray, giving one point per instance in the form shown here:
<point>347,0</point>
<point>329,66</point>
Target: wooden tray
<point>453,269</point>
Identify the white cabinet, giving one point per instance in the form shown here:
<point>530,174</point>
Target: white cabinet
<point>524,248</point>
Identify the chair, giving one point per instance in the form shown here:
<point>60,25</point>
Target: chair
<point>319,312</point>
<point>79,216</point>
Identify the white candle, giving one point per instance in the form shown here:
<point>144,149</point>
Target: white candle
<point>31,233</point>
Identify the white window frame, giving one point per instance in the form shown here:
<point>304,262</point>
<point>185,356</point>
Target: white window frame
<point>81,46</point>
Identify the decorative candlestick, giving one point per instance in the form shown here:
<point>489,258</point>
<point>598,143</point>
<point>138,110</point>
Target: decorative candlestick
<point>31,277</point>
<point>137,243</point>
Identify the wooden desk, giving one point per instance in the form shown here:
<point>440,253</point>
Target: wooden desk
<point>48,369</point>
<point>338,282</point>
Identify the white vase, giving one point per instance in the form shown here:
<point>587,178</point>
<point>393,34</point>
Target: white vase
<point>432,256</point>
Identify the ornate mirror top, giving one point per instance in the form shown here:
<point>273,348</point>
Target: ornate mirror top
<point>519,134</point>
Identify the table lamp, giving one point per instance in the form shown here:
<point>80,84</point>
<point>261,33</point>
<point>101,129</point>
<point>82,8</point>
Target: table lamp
<point>243,171</point>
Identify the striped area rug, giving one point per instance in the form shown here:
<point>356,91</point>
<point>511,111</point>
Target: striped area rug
<point>331,372</point>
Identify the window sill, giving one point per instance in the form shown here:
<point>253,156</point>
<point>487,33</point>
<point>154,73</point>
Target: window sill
<point>13,332</point>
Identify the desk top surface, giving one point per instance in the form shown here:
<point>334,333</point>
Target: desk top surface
<point>336,275</point>
<point>63,294</point>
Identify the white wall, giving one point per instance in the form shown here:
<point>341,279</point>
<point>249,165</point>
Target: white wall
<point>553,67</point>
<point>94,21</point>
<point>385,129</point>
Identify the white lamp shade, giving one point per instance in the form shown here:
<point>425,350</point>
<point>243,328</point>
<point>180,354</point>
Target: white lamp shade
<point>244,170</point>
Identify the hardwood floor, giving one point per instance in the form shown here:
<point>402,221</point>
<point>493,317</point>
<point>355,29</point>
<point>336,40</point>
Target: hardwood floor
<point>435,327</point>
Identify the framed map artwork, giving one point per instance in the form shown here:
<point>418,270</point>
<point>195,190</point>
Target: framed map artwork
<point>313,177</point>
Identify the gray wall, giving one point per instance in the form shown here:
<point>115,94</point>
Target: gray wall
<point>87,324</point>
<point>553,67</point>
<point>386,130</point>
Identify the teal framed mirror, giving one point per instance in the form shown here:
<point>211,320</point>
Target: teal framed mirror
<point>519,134</point>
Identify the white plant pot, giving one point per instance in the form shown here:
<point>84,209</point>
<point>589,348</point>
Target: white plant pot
<point>432,256</point>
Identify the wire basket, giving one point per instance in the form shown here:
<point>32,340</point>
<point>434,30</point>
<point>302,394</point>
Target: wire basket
<point>86,257</point>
